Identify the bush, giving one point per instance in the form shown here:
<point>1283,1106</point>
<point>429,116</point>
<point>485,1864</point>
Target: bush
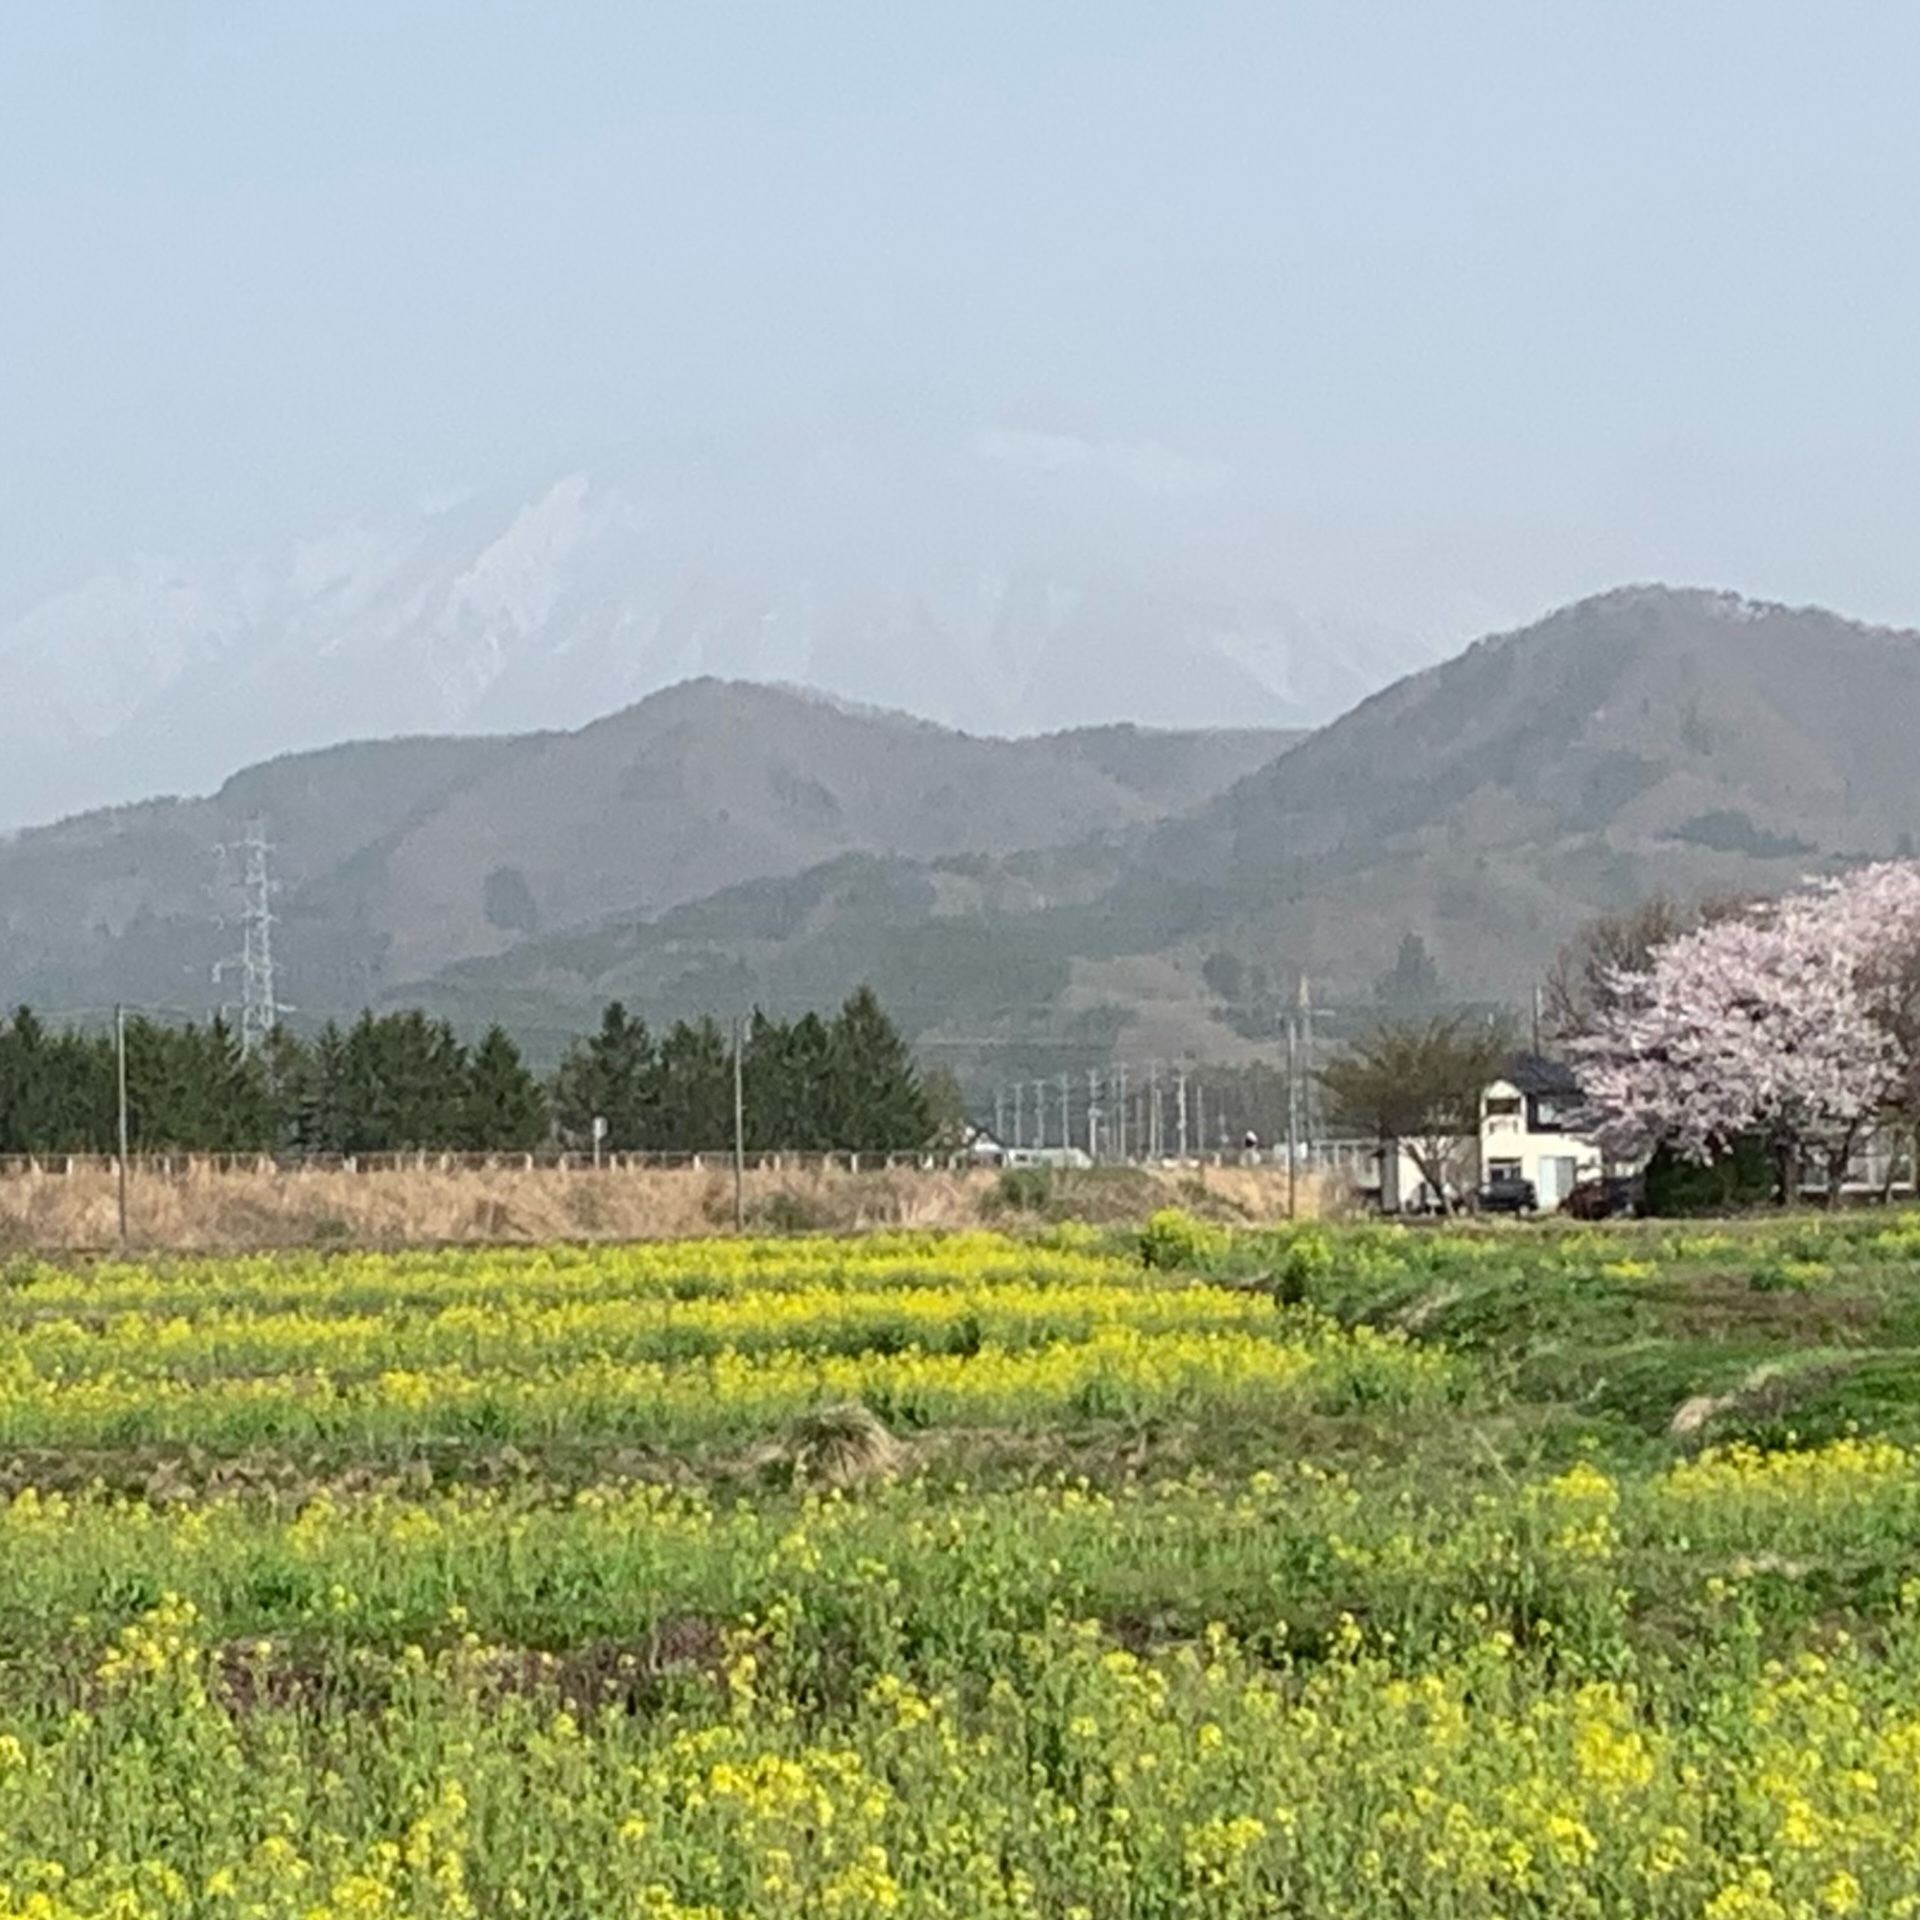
<point>1173,1238</point>
<point>1304,1259</point>
<point>1024,1189</point>
<point>1676,1188</point>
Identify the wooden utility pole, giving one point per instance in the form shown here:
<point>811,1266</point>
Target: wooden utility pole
<point>739,1126</point>
<point>120,1076</point>
<point>1293,1116</point>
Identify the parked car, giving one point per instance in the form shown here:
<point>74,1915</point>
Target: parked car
<point>1509,1193</point>
<point>1616,1197</point>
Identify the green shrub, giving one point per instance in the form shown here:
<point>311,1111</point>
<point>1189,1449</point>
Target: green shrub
<point>1305,1259</point>
<point>1173,1238</point>
<point>1024,1189</point>
<point>1739,1179</point>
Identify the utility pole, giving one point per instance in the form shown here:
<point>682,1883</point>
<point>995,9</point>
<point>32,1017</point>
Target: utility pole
<point>739,1126</point>
<point>1180,1108</point>
<point>120,1075</point>
<point>1000,1117</point>
<point>1307,1116</point>
<point>1153,1109</point>
<point>1093,1113</point>
<point>1040,1114</point>
<point>1293,1115</point>
<point>1066,1112</point>
<point>1120,1112</point>
<point>1200,1116</point>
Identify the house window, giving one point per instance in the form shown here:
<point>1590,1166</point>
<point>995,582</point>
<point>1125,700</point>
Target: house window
<point>1551,1112</point>
<point>1503,1106</point>
<point>1503,1169</point>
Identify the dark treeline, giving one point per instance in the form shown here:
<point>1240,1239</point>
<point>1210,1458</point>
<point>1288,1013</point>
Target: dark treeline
<point>399,1082</point>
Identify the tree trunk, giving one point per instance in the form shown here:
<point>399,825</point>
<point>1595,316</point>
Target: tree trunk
<point>1433,1170</point>
<point>1786,1158</point>
<point>1839,1159</point>
<point>1837,1176</point>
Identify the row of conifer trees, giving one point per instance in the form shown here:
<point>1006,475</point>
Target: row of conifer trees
<point>397,1082</point>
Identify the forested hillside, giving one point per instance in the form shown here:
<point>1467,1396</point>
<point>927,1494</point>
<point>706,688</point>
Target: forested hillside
<point>1645,740</point>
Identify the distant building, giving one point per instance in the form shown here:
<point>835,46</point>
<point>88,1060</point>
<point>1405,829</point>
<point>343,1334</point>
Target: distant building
<point>1527,1132</point>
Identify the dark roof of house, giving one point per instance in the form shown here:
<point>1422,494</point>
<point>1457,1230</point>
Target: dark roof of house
<point>1535,1073</point>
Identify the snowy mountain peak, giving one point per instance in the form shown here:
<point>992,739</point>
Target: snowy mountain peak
<point>1016,583</point>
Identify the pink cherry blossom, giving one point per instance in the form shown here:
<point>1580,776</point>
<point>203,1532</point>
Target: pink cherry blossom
<point>1782,1022</point>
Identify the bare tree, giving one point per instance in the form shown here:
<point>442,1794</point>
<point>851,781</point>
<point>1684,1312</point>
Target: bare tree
<point>1418,1084</point>
<point>1582,985</point>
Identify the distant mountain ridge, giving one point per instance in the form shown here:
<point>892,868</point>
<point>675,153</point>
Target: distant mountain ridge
<point>397,858</point>
<point>1007,585</point>
<point>1646,738</point>
<point>1071,895</point>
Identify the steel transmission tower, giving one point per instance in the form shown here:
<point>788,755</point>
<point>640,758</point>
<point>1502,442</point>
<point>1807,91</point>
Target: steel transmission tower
<point>260,1007</point>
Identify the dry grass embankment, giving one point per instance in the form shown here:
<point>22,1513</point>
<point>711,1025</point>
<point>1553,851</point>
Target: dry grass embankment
<point>203,1208</point>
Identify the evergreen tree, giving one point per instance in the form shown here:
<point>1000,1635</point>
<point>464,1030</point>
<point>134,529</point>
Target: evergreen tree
<point>695,1077</point>
<point>784,1072</point>
<point>42,1107</point>
<point>318,1093</point>
<point>505,1109</point>
<point>283,1068</point>
<point>874,1101</point>
<point>1412,983</point>
<point>613,1075</point>
<point>405,1084</point>
<point>83,1101</point>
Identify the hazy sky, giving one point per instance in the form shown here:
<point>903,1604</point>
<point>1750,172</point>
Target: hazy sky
<point>1558,293</point>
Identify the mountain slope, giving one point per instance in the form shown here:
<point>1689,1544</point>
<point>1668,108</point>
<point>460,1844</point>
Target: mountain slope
<point>1005,585</point>
<point>397,858</point>
<point>1642,739</point>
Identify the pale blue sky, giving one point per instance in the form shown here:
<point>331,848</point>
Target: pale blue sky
<point>1583,290</point>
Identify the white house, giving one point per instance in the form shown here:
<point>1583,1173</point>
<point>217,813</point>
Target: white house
<point>1526,1131</point>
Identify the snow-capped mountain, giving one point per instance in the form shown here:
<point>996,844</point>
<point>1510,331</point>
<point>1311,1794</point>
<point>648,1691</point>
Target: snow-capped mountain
<point>1013,584</point>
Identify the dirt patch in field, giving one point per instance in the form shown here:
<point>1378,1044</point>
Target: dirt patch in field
<point>1770,1392</point>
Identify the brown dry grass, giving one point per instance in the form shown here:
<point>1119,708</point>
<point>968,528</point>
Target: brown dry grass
<point>207,1209</point>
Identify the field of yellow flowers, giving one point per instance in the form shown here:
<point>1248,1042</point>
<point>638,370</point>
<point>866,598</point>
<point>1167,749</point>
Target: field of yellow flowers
<point>1333,1574</point>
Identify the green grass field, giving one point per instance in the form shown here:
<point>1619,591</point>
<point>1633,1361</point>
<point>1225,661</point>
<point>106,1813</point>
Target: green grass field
<point>1340,1572</point>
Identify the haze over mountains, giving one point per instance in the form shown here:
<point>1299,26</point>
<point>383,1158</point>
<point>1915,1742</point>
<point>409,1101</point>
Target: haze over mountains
<point>1013,583</point>
<point>720,844</point>
<point>396,858</point>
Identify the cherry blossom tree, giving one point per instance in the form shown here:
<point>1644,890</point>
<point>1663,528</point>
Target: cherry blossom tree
<point>1788,1022</point>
